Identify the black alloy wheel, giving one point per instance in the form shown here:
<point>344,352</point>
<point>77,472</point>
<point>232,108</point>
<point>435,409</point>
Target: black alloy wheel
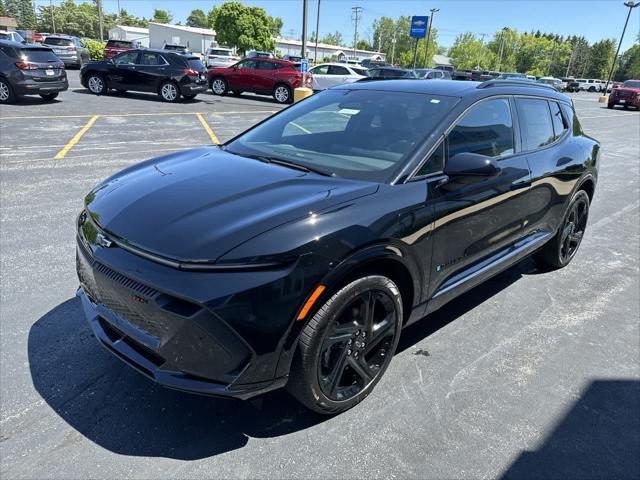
<point>560,250</point>
<point>347,345</point>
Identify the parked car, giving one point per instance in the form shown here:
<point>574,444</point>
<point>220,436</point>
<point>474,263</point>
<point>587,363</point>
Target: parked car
<point>264,76</point>
<point>30,70</point>
<point>167,73</point>
<point>258,54</point>
<point>370,62</point>
<point>69,49</point>
<point>554,82</point>
<point>174,47</point>
<point>432,74</point>
<point>573,86</point>
<point>294,254</point>
<point>387,73</point>
<point>11,36</point>
<point>327,75</point>
<point>39,37</point>
<point>627,95</point>
<point>292,58</point>
<point>446,68</point>
<point>220,57</point>
<point>613,85</point>
<point>462,75</point>
<point>593,85</point>
<point>565,82</point>
<point>511,75</point>
<point>114,47</point>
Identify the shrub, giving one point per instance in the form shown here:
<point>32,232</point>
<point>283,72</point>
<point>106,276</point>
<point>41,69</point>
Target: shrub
<point>96,48</point>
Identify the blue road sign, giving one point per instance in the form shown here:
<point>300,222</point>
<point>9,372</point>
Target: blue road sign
<point>419,27</point>
<point>304,65</point>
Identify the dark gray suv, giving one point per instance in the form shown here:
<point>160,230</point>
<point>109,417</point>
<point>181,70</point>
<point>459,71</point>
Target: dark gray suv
<point>30,70</point>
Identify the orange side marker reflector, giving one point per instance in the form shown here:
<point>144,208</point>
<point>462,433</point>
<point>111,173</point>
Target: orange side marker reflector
<point>309,303</point>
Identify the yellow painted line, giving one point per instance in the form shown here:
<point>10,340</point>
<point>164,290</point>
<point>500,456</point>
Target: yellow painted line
<point>305,130</point>
<point>207,128</point>
<point>118,115</point>
<point>60,155</point>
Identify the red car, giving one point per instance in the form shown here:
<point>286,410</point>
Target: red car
<point>114,47</point>
<point>626,95</point>
<point>264,76</point>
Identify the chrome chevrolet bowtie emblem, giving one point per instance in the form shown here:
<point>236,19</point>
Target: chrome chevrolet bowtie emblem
<point>103,241</point>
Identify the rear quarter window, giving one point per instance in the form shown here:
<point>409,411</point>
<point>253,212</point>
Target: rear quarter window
<point>196,64</point>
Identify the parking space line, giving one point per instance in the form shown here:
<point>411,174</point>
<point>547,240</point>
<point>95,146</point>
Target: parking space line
<point>207,128</point>
<point>117,115</point>
<point>608,116</point>
<point>60,155</point>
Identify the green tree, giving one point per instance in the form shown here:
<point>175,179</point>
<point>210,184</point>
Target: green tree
<point>197,18</point>
<point>244,27</point>
<point>600,58</point>
<point>211,16</point>
<point>364,45</point>
<point>387,29</point>
<point>12,8</point>
<point>467,52</point>
<point>2,9</point>
<point>275,26</point>
<point>27,16</point>
<point>629,64</point>
<point>161,16</point>
<point>131,20</point>
<point>334,38</point>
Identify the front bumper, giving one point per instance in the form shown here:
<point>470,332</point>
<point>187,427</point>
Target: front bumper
<point>179,344</point>
<point>32,87</point>
<point>633,101</point>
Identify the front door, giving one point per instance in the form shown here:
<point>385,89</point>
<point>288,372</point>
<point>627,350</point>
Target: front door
<point>480,219</point>
<point>123,75</point>
<point>241,76</point>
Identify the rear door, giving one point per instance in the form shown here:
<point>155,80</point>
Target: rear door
<point>150,70</point>
<point>338,75</point>
<point>481,219</point>
<point>264,75</point>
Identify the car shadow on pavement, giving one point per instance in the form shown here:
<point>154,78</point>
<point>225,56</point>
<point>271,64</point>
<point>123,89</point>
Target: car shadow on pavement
<point>146,96</point>
<point>124,412</point>
<point>31,100</point>
<point>598,438</point>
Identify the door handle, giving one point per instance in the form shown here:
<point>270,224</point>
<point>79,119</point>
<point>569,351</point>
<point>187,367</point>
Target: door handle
<point>520,185</point>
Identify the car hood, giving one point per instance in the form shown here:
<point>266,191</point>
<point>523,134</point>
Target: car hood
<point>196,205</point>
<point>627,89</point>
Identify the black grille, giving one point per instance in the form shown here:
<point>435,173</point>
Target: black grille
<point>126,281</point>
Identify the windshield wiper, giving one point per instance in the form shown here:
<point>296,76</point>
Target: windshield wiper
<point>285,163</point>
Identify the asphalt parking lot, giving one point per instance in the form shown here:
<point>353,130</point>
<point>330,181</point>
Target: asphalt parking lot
<point>532,375</point>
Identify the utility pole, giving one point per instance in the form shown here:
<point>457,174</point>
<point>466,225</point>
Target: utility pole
<point>315,55</point>
<point>631,6</point>
<point>427,62</point>
<point>53,17</point>
<point>357,12</point>
<point>118,16</point>
<point>100,19</point>
<point>304,28</point>
<point>553,55</point>
<point>380,41</point>
<point>393,47</point>
<point>480,52</point>
<point>504,29</point>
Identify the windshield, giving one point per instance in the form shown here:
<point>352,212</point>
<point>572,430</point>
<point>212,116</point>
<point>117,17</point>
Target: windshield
<point>357,134</point>
<point>631,84</point>
<point>58,41</point>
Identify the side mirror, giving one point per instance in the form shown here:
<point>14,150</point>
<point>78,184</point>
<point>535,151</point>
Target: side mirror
<point>465,168</point>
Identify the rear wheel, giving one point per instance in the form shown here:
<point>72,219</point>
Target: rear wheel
<point>282,93</point>
<point>219,86</point>
<point>561,249</point>
<point>49,96</point>
<point>169,92</point>
<point>6,92</point>
<point>96,84</point>
<point>346,347</point>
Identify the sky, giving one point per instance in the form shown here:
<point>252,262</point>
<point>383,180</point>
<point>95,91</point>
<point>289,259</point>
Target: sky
<point>594,19</point>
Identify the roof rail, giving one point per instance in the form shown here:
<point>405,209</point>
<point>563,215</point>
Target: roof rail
<point>512,82</point>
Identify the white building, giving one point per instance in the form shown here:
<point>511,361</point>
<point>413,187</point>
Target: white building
<point>336,53</point>
<point>441,61</point>
<point>124,32</point>
<point>195,39</point>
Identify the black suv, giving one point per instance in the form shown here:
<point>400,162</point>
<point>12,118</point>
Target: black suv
<point>387,73</point>
<point>296,253</point>
<point>30,70</point>
<point>167,73</point>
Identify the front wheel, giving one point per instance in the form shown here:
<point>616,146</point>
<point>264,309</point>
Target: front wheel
<point>169,92</point>
<point>346,347</point>
<point>96,84</point>
<point>47,97</point>
<point>282,94</point>
<point>561,249</point>
<point>219,86</point>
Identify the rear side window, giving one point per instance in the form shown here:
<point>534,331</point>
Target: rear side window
<point>535,123</point>
<point>262,65</point>
<point>559,123</point>
<point>338,70</point>
<point>119,43</point>
<point>8,51</point>
<point>64,42</point>
<point>38,55</point>
<point>486,129</point>
<point>150,58</point>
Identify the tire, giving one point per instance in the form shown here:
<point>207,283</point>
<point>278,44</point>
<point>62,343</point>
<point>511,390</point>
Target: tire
<point>47,97</point>
<point>340,357</point>
<point>592,89</point>
<point>610,105</point>
<point>282,93</point>
<point>96,84</point>
<point>169,92</point>
<point>219,86</point>
<point>561,249</point>
<point>6,92</point>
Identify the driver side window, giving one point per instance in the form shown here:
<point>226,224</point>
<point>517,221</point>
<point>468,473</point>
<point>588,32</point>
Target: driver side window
<point>126,58</point>
<point>247,65</point>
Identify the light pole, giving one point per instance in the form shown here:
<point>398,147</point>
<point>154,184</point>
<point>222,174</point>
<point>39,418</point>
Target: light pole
<point>504,29</point>
<point>480,52</point>
<point>393,47</point>
<point>427,63</point>
<point>631,6</point>
<point>315,54</point>
<point>304,29</point>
